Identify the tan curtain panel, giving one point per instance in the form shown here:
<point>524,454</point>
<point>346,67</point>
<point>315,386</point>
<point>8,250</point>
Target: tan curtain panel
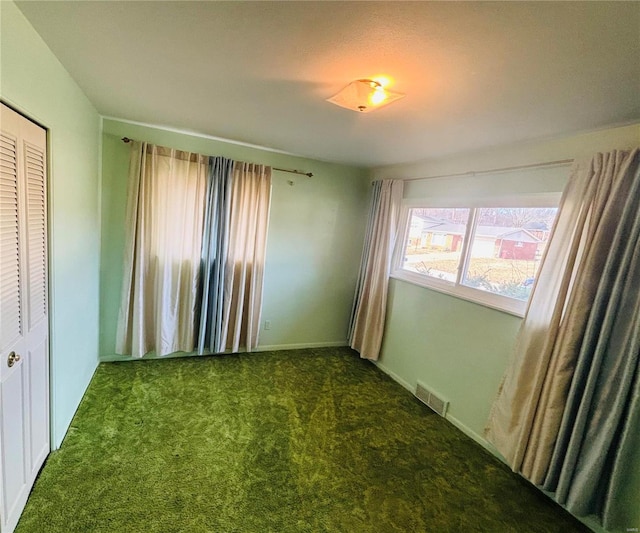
<point>165,210</point>
<point>532,399</point>
<point>370,303</point>
<point>244,270</point>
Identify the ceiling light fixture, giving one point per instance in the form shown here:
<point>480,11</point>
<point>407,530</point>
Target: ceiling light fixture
<point>364,96</point>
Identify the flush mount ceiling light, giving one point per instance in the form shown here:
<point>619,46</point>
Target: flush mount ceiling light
<point>364,96</point>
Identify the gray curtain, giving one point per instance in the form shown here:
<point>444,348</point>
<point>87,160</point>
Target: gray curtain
<point>594,448</point>
<point>567,415</point>
<point>215,243</point>
<point>195,253</point>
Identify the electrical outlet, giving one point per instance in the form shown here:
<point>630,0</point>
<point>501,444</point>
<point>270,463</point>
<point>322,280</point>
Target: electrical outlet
<point>267,324</point>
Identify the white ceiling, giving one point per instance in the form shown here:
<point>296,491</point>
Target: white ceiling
<point>476,74</point>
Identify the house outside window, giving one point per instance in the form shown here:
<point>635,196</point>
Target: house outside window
<point>489,254</point>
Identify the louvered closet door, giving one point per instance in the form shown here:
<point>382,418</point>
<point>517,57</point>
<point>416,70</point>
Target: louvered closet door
<point>24,338</point>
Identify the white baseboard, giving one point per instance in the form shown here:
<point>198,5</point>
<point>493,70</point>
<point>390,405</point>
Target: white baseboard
<point>475,436</point>
<point>590,521</point>
<point>301,346</point>
<point>395,377</point>
<point>115,358</point>
<point>57,440</point>
<point>457,423</point>
<point>111,358</point>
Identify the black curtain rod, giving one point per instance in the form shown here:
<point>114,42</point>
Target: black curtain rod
<point>292,171</point>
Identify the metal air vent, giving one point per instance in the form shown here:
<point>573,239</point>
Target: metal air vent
<point>431,400</point>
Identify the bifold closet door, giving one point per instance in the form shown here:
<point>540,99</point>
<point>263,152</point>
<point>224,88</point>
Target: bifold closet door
<point>24,325</point>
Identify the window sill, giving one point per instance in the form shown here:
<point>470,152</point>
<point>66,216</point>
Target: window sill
<point>510,306</point>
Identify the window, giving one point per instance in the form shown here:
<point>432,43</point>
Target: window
<point>435,242</point>
<point>486,254</point>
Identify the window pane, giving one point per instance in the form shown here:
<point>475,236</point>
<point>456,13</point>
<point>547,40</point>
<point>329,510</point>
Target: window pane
<point>507,248</point>
<point>434,243</point>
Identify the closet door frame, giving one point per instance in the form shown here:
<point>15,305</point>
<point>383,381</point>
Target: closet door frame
<point>49,247</point>
<point>48,293</point>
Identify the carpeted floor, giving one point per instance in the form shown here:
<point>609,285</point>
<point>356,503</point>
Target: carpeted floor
<point>296,441</point>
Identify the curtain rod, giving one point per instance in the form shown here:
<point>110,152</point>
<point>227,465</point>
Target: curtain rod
<point>292,171</point>
<point>558,162</point>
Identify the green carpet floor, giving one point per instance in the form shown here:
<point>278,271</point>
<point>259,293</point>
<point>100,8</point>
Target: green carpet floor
<point>296,441</point>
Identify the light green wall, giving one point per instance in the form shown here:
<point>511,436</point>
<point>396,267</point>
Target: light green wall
<point>34,82</point>
<point>314,240</point>
<point>315,236</point>
<point>458,348</point>
<point>579,146</point>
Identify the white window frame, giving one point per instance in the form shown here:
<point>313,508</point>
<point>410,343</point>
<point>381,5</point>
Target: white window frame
<point>457,289</point>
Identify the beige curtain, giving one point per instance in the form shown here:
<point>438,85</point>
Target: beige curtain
<point>244,270</point>
<point>370,304</point>
<point>526,416</point>
<point>164,221</point>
